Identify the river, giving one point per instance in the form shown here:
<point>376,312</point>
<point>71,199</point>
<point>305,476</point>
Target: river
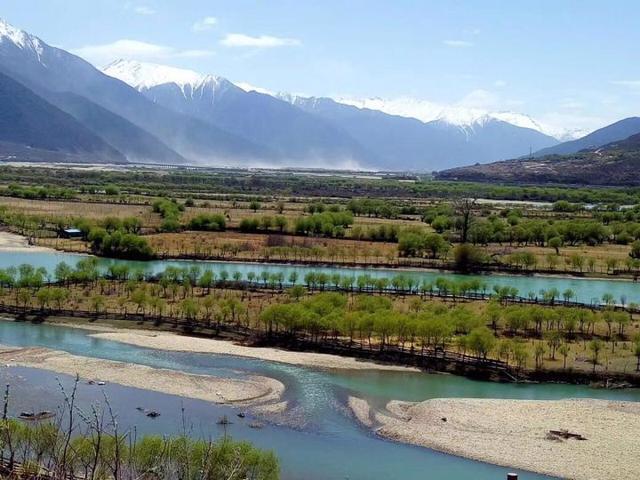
<point>319,439</point>
<point>587,290</point>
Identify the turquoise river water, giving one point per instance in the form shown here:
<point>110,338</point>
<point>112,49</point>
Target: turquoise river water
<point>318,439</point>
<point>587,290</point>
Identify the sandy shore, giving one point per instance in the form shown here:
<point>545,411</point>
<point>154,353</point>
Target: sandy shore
<point>247,391</point>
<point>514,433</point>
<point>173,342</point>
<point>11,242</point>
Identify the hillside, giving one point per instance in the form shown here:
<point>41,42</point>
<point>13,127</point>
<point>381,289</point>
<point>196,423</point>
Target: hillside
<point>27,121</point>
<point>617,163</point>
<point>611,133</point>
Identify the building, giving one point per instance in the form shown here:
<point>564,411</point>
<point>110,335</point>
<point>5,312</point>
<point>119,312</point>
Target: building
<point>71,233</point>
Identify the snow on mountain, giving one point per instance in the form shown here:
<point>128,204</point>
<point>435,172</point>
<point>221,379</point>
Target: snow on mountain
<point>458,115</point>
<point>21,39</point>
<point>247,87</point>
<point>145,76</point>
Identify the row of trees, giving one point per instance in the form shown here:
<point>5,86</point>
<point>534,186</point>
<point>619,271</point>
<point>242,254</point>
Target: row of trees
<point>328,224</point>
<point>375,321</point>
<point>87,270</point>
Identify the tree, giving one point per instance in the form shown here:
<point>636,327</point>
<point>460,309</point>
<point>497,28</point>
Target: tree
<point>539,355</point>
<point>281,223</point>
<point>555,243</point>
<point>254,205</point>
<point>635,250</point>
<point>554,340</point>
<point>564,351</point>
<point>481,341</point>
<point>464,209</point>
<point>595,346</point>
<point>467,257</point>
<point>97,302</point>
<point>189,308</point>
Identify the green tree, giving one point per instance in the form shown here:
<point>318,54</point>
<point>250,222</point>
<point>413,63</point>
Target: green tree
<point>481,341</point>
<point>595,346</point>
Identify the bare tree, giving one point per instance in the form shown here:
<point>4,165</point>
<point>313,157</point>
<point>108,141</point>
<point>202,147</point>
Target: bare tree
<point>463,207</point>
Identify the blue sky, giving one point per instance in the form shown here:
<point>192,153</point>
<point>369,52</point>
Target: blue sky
<point>573,64</point>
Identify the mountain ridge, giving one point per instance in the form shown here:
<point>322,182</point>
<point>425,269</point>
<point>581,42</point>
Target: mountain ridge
<point>28,120</point>
<point>610,133</point>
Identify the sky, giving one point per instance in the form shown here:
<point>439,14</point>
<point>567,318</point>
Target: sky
<point>569,64</point>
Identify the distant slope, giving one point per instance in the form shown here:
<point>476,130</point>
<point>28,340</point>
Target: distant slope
<point>611,133</point>
<point>292,134</point>
<point>29,121</point>
<point>617,163</point>
<point>409,144</point>
<point>134,142</point>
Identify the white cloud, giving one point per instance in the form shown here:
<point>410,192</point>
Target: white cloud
<point>204,24</point>
<point>134,49</point>
<point>144,10</point>
<point>458,43</point>
<point>499,84</point>
<point>633,84</point>
<point>262,41</point>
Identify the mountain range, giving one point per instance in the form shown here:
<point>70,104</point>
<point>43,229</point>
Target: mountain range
<point>148,113</point>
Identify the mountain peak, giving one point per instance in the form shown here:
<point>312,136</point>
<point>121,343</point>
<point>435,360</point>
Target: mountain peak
<point>141,75</point>
<point>20,38</point>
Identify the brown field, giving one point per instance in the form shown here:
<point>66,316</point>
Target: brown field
<point>90,210</point>
<point>96,208</point>
<point>265,246</point>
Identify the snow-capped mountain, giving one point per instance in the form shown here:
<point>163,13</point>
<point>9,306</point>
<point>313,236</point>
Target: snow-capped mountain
<point>165,114</point>
<point>20,39</point>
<point>297,137</point>
<point>137,126</point>
<point>433,145</point>
<point>461,116</point>
<point>147,75</point>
